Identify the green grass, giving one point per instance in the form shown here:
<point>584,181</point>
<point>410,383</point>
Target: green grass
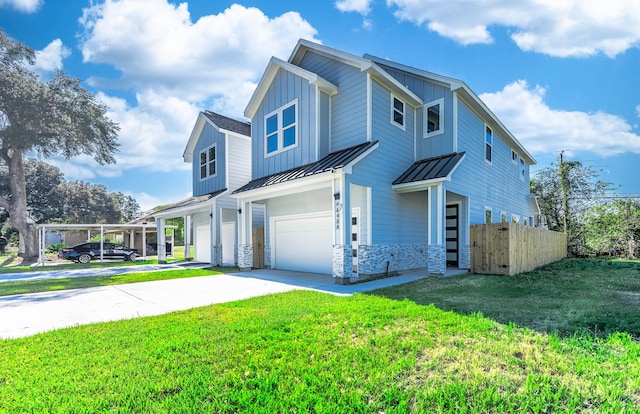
<point>21,287</point>
<point>306,351</point>
<point>599,297</point>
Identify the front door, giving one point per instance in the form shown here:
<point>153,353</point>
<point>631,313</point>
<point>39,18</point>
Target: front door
<point>452,235</point>
<point>228,241</point>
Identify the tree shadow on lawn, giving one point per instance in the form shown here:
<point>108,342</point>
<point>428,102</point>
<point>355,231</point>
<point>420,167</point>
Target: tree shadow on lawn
<point>571,296</point>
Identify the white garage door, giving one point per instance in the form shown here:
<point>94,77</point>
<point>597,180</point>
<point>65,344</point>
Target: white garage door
<point>304,244</point>
<point>203,239</point>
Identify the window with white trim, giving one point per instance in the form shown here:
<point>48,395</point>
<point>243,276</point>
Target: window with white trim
<point>515,218</point>
<point>522,169</point>
<point>208,162</point>
<point>488,143</point>
<point>514,157</point>
<point>433,118</point>
<point>487,215</point>
<point>397,112</point>
<point>503,217</point>
<point>281,128</point>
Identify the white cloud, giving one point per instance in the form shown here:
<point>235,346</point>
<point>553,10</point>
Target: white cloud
<point>558,28</point>
<point>360,6</point>
<point>156,46</point>
<point>27,6</point>
<point>51,56</point>
<point>542,129</point>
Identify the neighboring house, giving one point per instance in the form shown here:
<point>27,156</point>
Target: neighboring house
<point>219,150</point>
<point>366,167</point>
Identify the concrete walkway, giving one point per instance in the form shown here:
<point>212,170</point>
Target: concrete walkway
<point>28,314</point>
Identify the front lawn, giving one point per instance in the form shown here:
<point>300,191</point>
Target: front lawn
<point>599,297</point>
<point>306,351</point>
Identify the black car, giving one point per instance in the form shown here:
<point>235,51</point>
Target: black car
<point>86,252</point>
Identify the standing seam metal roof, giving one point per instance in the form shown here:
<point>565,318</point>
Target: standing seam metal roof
<point>337,159</point>
<point>430,168</point>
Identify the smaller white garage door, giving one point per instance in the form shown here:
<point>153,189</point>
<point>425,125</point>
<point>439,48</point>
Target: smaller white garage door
<point>304,244</point>
<point>203,238</point>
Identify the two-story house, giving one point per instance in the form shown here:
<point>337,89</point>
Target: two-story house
<point>219,150</point>
<point>367,167</point>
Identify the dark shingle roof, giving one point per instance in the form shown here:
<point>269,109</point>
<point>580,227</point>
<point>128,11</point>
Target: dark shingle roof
<point>229,124</point>
<point>430,168</point>
<point>332,161</point>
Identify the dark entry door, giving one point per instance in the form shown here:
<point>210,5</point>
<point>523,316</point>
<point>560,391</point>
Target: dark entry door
<point>452,235</point>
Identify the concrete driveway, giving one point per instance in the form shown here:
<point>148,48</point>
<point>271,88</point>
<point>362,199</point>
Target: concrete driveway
<point>28,314</point>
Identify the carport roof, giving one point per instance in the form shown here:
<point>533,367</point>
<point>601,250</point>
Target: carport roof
<point>178,206</point>
<point>333,161</point>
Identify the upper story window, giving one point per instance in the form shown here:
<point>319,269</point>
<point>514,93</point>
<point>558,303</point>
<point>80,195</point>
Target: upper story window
<point>433,114</point>
<point>488,143</point>
<point>208,162</point>
<point>281,128</point>
<point>514,157</point>
<point>522,169</point>
<point>397,112</point>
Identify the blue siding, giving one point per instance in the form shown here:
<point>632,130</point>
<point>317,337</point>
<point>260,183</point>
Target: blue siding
<point>208,137</point>
<point>349,105</point>
<point>396,218</point>
<point>496,185</point>
<point>285,88</point>
<point>438,144</point>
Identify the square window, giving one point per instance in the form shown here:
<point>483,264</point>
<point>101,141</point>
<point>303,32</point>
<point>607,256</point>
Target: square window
<point>280,128</point>
<point>208,162</point>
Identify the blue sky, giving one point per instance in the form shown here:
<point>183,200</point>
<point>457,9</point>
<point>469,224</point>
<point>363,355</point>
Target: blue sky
<point>561,75</point>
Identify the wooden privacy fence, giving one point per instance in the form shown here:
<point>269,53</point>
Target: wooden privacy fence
<point>510,248</point>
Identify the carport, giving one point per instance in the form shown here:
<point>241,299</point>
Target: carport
<point>129,229</point>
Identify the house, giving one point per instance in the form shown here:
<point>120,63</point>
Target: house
<point>367,167</point>
<point>219,150</point>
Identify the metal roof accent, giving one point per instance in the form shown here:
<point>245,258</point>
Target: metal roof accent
<point>187,202</point>
<point>333,161</point>
<point>430,168</point>
<point>230,124</point>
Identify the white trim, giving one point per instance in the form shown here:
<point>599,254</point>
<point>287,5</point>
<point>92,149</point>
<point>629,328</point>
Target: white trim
<point>208,162</point>
<point>429,215</point>
<point>317,137</point>
<point>369,217</point>
<point>280,131</point>
<point>393,110</point>
<point>514,157</point>
<point>441,227</point>
<point>425,114</point>
<point>455,121</point>
<point>369,108</point>
<point>515,218</point>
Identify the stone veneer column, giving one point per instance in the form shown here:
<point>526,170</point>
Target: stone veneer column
<point>437,259</point>
<point>464,261</point>
<point>341,264</point>
<point>245,257</point>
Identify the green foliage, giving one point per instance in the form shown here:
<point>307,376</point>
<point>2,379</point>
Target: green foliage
<point>614,229</point>
<point>306,351</point>
<point>54,248</point>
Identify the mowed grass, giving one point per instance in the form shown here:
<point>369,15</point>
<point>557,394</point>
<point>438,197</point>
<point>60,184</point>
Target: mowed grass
<point>306,351</point>
<point>599,297</point>
<point>33,286</point>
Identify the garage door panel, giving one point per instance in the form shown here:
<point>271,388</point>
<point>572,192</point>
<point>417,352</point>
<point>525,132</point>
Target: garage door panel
<point>304,244</point>
<point>203,239</point>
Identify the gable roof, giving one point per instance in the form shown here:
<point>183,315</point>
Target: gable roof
<point>469,97</point>
<point>222,123</point>
<point>429,170</point>
<point>270,72</point>
<point>331,162</point>
<point>365,65</point>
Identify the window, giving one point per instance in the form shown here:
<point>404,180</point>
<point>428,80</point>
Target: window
<point>503,217</point>
<point>514,157</point>
<point>522,169</point>
<point>515,218</point>
<point>488,143</point>
<point>281,128</point>
<point>208,162</point>
<point>397,112</point>
<point>433,113</point>
<point>487,215</point>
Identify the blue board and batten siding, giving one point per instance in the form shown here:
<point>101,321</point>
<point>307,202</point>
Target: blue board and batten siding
<point>349,105</point>
<point>286,88</point>
<point>209,136</point>
<point>496,185</point>
<point>435,144</point>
